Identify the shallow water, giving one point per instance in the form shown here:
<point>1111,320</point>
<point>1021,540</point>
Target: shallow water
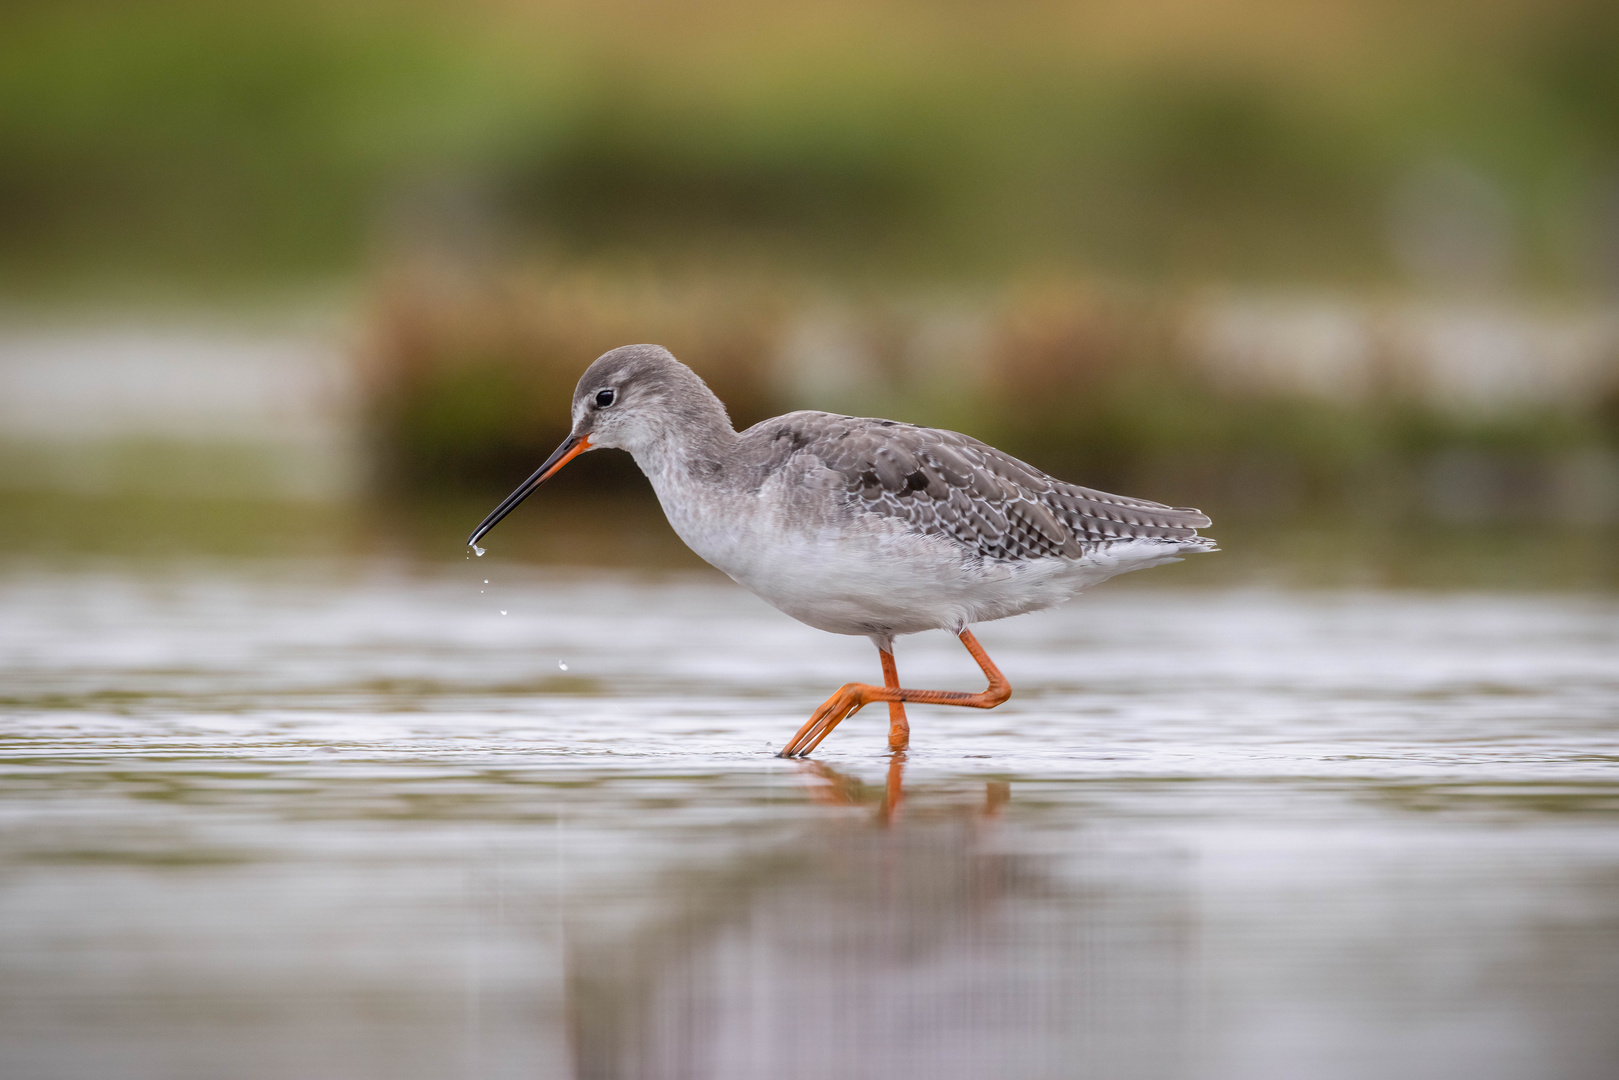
<point>269,819</point>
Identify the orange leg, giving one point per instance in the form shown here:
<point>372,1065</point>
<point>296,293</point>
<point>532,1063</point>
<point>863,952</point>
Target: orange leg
<point>851,697</point>
<point>899,728</point>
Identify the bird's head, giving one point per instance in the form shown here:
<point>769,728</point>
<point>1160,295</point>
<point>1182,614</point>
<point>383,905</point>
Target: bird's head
<point>630,398</point>
<point>637,395</point>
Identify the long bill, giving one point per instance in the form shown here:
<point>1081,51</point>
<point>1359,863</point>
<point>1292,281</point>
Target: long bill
<point>571,447</point>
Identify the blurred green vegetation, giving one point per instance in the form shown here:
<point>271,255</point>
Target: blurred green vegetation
<point>1038,186</point>
<point>621,531</point>
<point>207,142</point>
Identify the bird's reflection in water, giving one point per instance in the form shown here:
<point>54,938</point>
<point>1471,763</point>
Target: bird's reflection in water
<point>912,942</point>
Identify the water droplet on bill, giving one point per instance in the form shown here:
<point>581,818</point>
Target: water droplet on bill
<point>477,550</point>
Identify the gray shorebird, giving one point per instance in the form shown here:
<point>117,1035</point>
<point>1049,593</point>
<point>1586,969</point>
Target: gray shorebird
<point>861,526</point>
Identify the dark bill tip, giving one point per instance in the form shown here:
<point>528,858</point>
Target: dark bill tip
<point>571,447</point>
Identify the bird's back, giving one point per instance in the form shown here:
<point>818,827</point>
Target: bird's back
<point>945,483</point>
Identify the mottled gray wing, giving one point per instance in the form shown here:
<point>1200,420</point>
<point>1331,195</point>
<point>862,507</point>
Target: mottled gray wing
<point>946,483</point>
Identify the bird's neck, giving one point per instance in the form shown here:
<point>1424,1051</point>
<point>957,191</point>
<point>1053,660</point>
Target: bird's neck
<point>694,449</point>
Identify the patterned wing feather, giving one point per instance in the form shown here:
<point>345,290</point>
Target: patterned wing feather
<point>942,482</point>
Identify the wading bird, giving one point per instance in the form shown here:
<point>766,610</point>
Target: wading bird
<point>861,526</point>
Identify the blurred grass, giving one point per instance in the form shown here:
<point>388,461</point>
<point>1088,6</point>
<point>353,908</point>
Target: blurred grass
<point>211,143</point>
<point>60,525</point>
<point>624,532</point>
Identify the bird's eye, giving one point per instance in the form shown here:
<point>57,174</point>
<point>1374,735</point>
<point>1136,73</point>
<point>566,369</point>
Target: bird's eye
<point>604,398</point>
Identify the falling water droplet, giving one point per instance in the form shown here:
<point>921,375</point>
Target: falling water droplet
<point>478,550</point>
<point>486,581</point>
<point>503,613</point>
<point>561,665</point>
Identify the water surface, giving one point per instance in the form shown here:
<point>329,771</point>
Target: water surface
<point>347,819</point>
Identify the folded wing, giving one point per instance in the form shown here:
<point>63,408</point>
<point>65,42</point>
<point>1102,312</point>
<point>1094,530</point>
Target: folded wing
<point>942,482</point>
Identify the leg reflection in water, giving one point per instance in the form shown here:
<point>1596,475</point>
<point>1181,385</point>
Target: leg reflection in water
<point>834,788</point>
<point>915,943</point>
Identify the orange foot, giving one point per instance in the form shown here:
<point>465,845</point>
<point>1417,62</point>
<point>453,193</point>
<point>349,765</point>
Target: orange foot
<point>852,697</point>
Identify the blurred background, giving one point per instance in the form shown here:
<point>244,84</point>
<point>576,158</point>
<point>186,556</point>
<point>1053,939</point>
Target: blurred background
<point>293,786</point>
<point>321,276</point>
